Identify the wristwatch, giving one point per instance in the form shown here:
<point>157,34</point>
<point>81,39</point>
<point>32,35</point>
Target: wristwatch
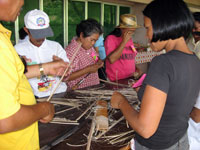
<point>41,70</point>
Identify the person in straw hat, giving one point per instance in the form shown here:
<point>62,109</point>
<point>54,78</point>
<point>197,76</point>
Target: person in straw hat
<point>120,50</point>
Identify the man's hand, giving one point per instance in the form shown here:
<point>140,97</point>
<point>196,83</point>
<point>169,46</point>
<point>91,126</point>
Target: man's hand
<point>50,112</point>
<point>56,67</point>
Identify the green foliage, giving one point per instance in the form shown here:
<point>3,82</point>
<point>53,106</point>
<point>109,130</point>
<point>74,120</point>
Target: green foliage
<point>54,9</point>
<point>109,18</point>
<point>76,15</point>
<point>94,11</point>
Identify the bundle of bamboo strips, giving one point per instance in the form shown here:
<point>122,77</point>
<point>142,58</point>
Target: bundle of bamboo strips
<point>110,127</point>
<point>101,116</point>
<point>58,120</point>
<point>124,91</point>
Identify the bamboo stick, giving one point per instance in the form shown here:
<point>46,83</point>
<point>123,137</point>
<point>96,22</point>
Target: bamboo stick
<point>115,139</point>
<point>72,59</point>
<point>109,137</point>
<point>107,92</point>
<point>113,83</point>
<point>64,110</point>
<point>71,123</point>
<point>63,119</point>
<point>65,103</point>
<point>121,140</point>
<point>77,145</point>
<point>58,99</point>
<point>116,122</point>
<point>91,133</point>
<point>108,96</point>
<point>86,111</point>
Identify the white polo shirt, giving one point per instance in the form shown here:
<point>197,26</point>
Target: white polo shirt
<point>195,47</point>
<point>43,86</point>
<point>194,130</point>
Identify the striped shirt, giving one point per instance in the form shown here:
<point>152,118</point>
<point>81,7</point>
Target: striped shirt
<point>82,60</point>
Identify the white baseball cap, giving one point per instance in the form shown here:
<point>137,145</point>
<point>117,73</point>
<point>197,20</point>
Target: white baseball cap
<point>37,23</point>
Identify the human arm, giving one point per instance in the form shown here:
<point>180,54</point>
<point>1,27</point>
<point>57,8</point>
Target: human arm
<point>146,121</point>
<point>89,69</point>
<point>116,53</point>
<point>56,68</point>
<point>96,49</point>
<point>27,115</point>
<point>195,114</point>
<point>153,95</point>
<point>14,91</point>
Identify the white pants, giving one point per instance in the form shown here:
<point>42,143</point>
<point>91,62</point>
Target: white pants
<point>194,135</point>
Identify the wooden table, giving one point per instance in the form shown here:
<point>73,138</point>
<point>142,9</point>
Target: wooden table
<point>75,135</point>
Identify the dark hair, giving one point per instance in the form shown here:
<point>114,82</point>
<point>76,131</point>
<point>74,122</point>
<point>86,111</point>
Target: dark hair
<point>88,27</point>
<point>22,33</point>
<point>24,63</point>
<point>117,32</point>
<point>196,16</point>
<point>170,19</point>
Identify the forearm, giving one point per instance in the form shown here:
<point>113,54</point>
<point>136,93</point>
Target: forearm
<point>78,74</point>
<point>135,120</point>
<point>34,70</point>
<point>115,55</point>
<point>146,121</point>
<point>195,115</point>
<point>131,115</point>
<point>96,49</point>
<point>27,115</point>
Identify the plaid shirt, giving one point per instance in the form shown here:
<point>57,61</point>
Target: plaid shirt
<point>82,60</point>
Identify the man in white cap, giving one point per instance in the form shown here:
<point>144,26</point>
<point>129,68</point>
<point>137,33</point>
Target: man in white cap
<point>38,50</point>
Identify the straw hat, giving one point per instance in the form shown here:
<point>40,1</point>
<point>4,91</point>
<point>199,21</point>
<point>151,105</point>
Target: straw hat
<point>128,21</point>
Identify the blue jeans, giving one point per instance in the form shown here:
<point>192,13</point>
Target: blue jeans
<point>182,144</point>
